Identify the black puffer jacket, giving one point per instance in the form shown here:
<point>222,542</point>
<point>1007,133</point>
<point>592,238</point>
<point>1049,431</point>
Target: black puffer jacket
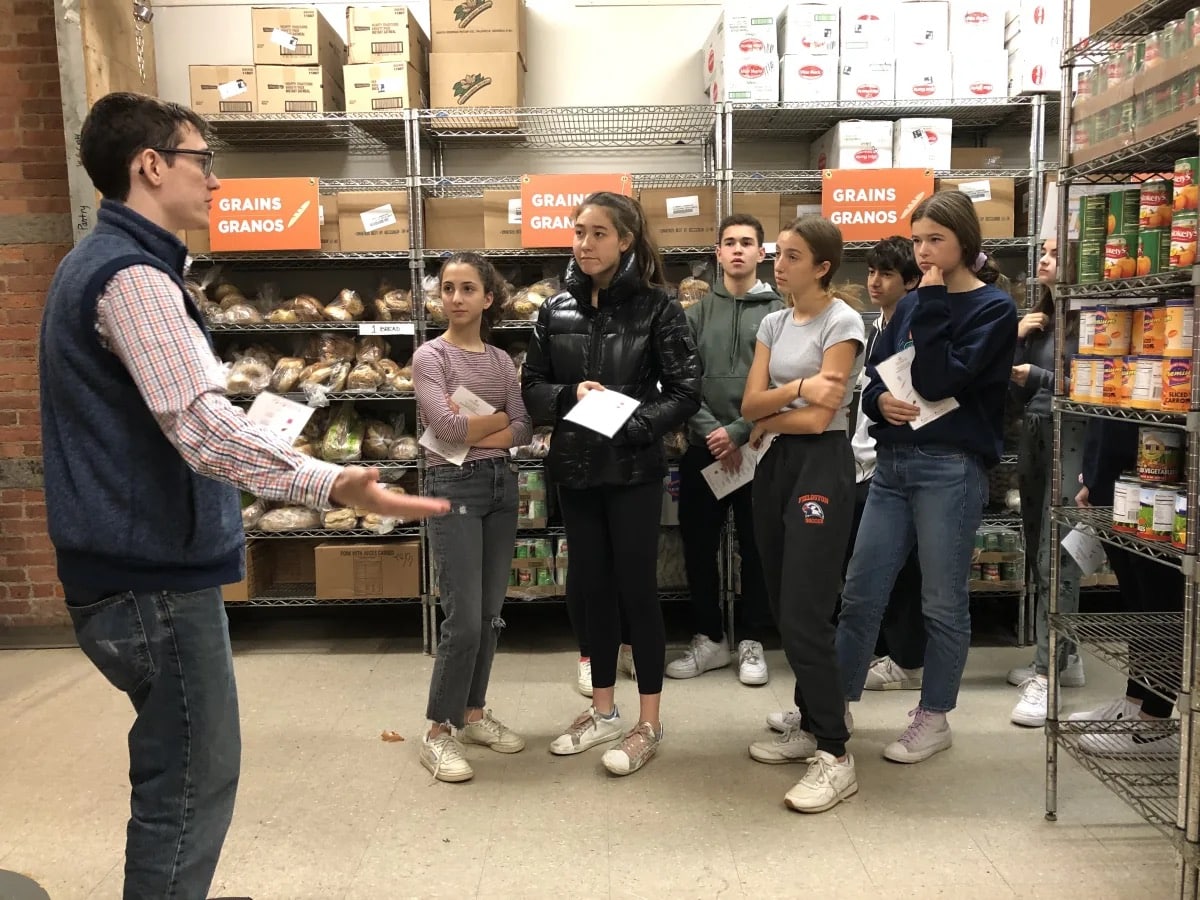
<point>634,340</point>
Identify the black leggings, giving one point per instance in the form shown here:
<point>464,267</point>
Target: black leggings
<point>612,533</point>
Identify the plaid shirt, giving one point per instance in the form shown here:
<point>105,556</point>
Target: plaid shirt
<point>141,318</point>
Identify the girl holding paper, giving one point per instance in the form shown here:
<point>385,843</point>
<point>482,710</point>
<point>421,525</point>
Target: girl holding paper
<point>931,481</point>
<point>806,364</point>
<point>613,328</point>
<point>473,546</point>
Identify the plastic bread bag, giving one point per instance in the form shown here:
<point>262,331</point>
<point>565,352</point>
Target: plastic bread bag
<point>693,289</point>
<point>404,448</point>
<point>253,513</point>
<point>371,349</point>
<point>435,311</point>
<point>378,524</point>
<point>226,294</point>
<point>290,518</point>
<point>344,438</point>
<point>365,377</point>
<point>342,519</point>
<point>248,375</point>
<point>392,304</point>
<point>330,347</point>
<point>346,307</point>
<point>377,439</point>
<point>286,376</point>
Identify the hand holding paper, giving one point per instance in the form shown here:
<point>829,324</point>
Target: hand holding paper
<point>472,405</point>
<point>603,411</point>
<point>896,372</point>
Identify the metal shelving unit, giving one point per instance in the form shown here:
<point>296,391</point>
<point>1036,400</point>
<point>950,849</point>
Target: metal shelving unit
<point>1162,780</point>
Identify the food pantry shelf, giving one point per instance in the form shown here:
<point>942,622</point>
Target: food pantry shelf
<point>570,127</point>
<point>1174,281</point>
<point>304,594</point>
<point>1156,153</point>
<point>559,253</point>
<point>1158,639</point>
<point>1100,519</point>
<point>1135,23</point>
<point>801,180</point>
<point>303,259</point>
<point>273,132</point>
<point>335,396</point>
<point>326,534</point>
<point>1145,416</point>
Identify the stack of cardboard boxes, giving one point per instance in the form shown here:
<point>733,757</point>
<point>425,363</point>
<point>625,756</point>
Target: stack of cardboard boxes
<point>1033,38</point>
<point>478,57</point>
<point>298,59</point>
<point>387,66</point>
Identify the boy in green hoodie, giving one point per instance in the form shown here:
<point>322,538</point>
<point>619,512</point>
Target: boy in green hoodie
<point>725,327</point>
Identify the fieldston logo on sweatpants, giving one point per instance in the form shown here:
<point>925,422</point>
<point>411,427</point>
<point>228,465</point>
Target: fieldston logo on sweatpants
<point>812,505</point>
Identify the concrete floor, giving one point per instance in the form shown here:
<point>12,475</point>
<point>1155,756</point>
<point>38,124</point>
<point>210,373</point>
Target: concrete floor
<point>327,810</point>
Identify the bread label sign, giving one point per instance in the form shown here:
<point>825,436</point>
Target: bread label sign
<point>548,204</point>
<point>871,204</point>
<point>265,214</point>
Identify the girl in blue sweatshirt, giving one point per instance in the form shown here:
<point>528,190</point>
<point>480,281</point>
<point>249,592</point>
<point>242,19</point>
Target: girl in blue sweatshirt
<point>931,481</point>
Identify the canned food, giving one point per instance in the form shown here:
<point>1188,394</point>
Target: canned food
<point>980,539</point>
<point>537,509</point>
<point>1083,372</point>
<point>560,548</point>
<point>522,507</point>
<point>1108,373</point>
<point>1160,455</point>
<point>1177,385</point>
<point>1128,374</point>
<point>1091,260</point>
<point>991,540</point>
<point>1112,327</point>
<point>512,577</point>
<point>1180,319</point>
<point>1124,207</point>
<point>1192,20</point>
<point>1009,542</point>
<point>541,549</point>
<point>560,575</point>
<point>532,481</point>
<point>1183,240</point>
<point>1185,186</point>
<point>1173,38</point>
<point>1093,217</point>
<point>1154,204</point>
<point>1158,523</point>
<point>1147,383</point>
<point>1011,571</point>
<point>524,577</point>
<point>991,571</point>
<point>1126,498</point>
<point>545,576</point>
<point>1149,331</point>
<point>521,550</point>
<point>1154,251</point>
<point>977,572</point>
<point>1117,261</point>
<point>1179,531</point>
<point>1087,331</point>
<point>1145,522</point>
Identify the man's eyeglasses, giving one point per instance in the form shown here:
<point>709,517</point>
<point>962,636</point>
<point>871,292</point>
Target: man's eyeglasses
<point>206,157</point>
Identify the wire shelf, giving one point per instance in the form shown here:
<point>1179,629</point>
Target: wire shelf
<point>1149,783</point>
<point>560,252</point>
<point>1156,153</point>
<point>810,180</point>
<point>327,533</point>
<point>799,121</point>
<point>304,594</point>
<point>292,327</point>
<point>1158,638</point>
<point>1143,286</point>
<point>304,259</point>
<point>1145,416</point>
<point>976,586</point>
<point>1137,22</point>
<point>475,185</point>
<point>357,133</point>
<point>1099,518</point>
<point>520,596</point>
<point>334,396</point>
<point>606,127</point>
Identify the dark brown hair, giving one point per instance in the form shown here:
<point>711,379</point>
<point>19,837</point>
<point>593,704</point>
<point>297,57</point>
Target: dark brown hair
<point>629,220</point>
<point>824,239</point>
<point>489,279</point>
<point>956,211</point>
<point>741,219</point>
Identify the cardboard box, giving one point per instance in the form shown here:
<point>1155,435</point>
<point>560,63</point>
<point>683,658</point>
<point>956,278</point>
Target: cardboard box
<point>980,75</point>
<point>924,76</point>
<point>294,561</point>
<point>331,240</point>
<point>454,223</point>
<point>976,158</point>
<point>350,571</point>
<point>854,144</point>
<point>812,29</point>
<point>763,205</point>
<point>746,36</point>
<point>463,26</point>
<point>681,217</point>
<point>749,82</point>
<point>260,573</point>
<point>793,206</point>
<point>994,201</point>
<point>476,79</point>
<point>922,25</point>
<point>1101,13</point>
<point>977,26</point>
<point>223,89</point>
<point>1033,22</point>
<point>299,89</point>
<point>373,221</point>
<point>502,220</point>
<point>868,26</point>
<point>1034,69</point>
<point>379,34</point>
<point>808,78</point>
<point>381,87</point>
<point>296,36</point>
<point>922,143</point>
<point>866,78</point>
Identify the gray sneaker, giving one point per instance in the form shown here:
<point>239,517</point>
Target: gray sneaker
<point>793,746</point>
<point>442,756</point>
<point>637,749</point>
<point>491,732</point>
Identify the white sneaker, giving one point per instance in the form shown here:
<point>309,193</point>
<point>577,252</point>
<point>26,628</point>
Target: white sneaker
<point>784,721</point>
<point>1113,711</point>
<point>826,784</point>
<point>637,749</point>
<point>792,746</point>
<point>1035,700</point>
<point>752,665</point>
<point>625,662</point>
<point>927,734</point>
<point>1072,673</point>
<point>588,730</point>
<point>442,756</point>
<point>1156,744</point>
<point>583,681</point>
<point>491,732</point>
<point>703,654</point>
<point>885,675</point>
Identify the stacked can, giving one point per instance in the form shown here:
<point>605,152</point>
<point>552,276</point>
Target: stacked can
<point>1151,502</point>
<point>1093,229</point>
<point>1154,227</point>
<point>1105,335</point>
<point>1121,233</point>
<point>1182,252</point>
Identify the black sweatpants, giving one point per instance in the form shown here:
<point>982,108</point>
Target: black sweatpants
<point>701,518</point>
<point>612,533</point>
<point>803,506</point>
<point>902,632</point>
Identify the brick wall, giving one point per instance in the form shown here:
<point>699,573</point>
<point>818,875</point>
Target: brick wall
<point>35,232</point>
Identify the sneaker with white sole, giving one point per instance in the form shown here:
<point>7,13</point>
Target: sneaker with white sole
<point>783,721</point>
<point>1030,710</point>
<point>442,756</point>
<point>1072,673</point>
<point>1150,744</point>
<point>635,750</point>
<point>625,664</point>
<point>587,731</point>
<point>826,784</point>
<point>752,665</point>
<point>583,679</point>
<point>927,734</point>
<point>703,655</point>
<point>1113,711</point>
<point>793,746</point>
<point>491,732</point>
<point>886,675</point>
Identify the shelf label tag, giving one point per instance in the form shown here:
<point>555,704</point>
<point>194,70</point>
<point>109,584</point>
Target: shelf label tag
<point>385,328</point>
<point>377,218</point>
<point>683,207</point>
<point>231,89</point>
<point>283,39</point>
<point>978,191</point>
<point>514,211</point>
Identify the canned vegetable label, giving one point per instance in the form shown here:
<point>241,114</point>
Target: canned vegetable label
<point>1160,455</point>
<point>1117,261</point>
<point>1185,185</point>
<point>1183,240</point>
<point>1147,383</point>
<point>1091,256</point>
<point>1112,325</point>
<point>1180,319</point>
<point>1177,385</point>
<point>1154,251</point>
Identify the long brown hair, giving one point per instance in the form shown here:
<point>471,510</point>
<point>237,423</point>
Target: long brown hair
<point>491,282</point>
<point>824,239</point>
<point>629,219</point>
<point>956,211</point>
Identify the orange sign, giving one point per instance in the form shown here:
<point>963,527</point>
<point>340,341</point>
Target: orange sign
<point>265,214</point>
<point>548,204</point>
<point>872,204</point>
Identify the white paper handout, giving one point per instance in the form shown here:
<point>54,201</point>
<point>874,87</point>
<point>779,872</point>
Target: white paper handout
<point>723,482</point>
<point>603,411</point>
<point>279,415</point>
<point>896,372</point>
<point>1085,548</point>
<point>470,404</point>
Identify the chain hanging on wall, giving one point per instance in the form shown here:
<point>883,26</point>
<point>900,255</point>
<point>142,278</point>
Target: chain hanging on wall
<point>142,16</point>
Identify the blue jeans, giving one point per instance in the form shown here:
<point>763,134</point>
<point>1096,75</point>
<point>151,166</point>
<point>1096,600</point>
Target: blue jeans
<point>932,495</point>
<point>170,653</point>
<point>473,552</point>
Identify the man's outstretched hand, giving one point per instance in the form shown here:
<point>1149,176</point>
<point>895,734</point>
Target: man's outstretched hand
<point>360,487</point>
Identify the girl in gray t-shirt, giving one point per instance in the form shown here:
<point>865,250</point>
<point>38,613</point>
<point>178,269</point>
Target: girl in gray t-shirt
<point>806,364</point>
